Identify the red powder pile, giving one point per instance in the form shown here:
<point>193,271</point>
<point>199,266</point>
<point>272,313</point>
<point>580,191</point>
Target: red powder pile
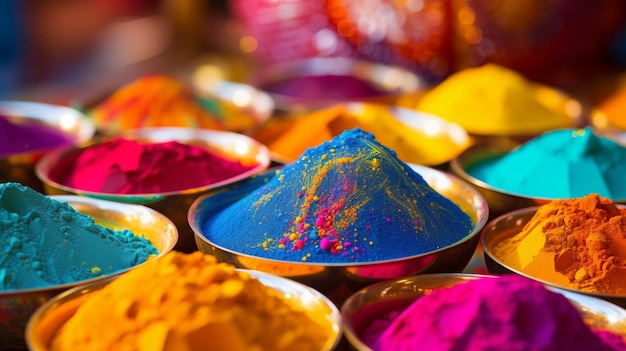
<point>506,313</point>
<point>122,166</point>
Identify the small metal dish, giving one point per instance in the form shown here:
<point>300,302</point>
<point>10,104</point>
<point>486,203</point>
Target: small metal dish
<point>20,167</point>
<point>52,315</point>
<point>378,300</point>
<point>16,306</point>
<point>510,224</point>
<point>173,204</point>
<point>338,281</point>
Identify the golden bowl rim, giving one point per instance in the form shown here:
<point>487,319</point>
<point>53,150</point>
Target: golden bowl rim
<point>482,216</point>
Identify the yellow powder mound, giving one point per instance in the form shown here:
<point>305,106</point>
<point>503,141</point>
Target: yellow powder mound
<point>189,302</point>
<point>494,100</point>
<point>577,243</point>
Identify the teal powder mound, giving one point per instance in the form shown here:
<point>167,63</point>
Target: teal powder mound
<point>563,163</point>
<point>347,200</point>
<point>45,242</point>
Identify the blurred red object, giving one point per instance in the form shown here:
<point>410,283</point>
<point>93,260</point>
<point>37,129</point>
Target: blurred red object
<point>435,37</point>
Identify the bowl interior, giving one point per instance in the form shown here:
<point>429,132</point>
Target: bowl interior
<point>376,302</point>
<point>17,306</point>
<point>54,313</point>
<point>507,226</point>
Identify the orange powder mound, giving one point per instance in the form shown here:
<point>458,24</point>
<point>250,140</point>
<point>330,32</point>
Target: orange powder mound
<point>577,243</point>
<point>154,101</point>
<point>189,302</point>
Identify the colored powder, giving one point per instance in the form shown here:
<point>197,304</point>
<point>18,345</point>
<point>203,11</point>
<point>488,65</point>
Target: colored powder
<point>346,200</point>
<point>419,146</point>
<point>505,313</point>
<point>157,100</point>
<point>190,302</point>
<point>576,243</point>
<point>122,166</point>
<point>324,87</point>
<point>559,164</point>
<point>494,100</point>
<point>23,135</point>
<point>45,242</point>
<point>612,108</point>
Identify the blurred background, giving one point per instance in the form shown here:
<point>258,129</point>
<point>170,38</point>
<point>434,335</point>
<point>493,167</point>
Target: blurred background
<point>51,48</point>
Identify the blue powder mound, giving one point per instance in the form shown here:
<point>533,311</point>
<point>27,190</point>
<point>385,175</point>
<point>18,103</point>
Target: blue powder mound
<point>45,242</point>
<point>347,200</point>
<point>563,163</point>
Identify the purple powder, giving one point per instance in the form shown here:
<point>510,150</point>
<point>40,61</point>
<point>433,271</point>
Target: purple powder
<point>28,135</point>
<point>327,87</point>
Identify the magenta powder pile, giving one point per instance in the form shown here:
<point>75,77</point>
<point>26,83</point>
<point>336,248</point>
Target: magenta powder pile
<point>122,166</point>
<point>505,313</point>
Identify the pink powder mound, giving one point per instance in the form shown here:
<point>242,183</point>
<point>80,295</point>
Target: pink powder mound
<point>122,166</point>
<point>507,313</point>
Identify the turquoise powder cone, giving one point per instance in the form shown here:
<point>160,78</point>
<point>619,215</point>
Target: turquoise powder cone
<point>563,163</point>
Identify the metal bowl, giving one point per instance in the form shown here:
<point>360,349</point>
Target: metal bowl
<point>499,201</point>
<point>338,281</point>
<point>20,167</point>
<point>244,101</point>
<point>16,306</point>
<point>507,226</point>
<point>378,300</point>
<point>386,80</point>
<point>53,314</point>
<point>173,204</point>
